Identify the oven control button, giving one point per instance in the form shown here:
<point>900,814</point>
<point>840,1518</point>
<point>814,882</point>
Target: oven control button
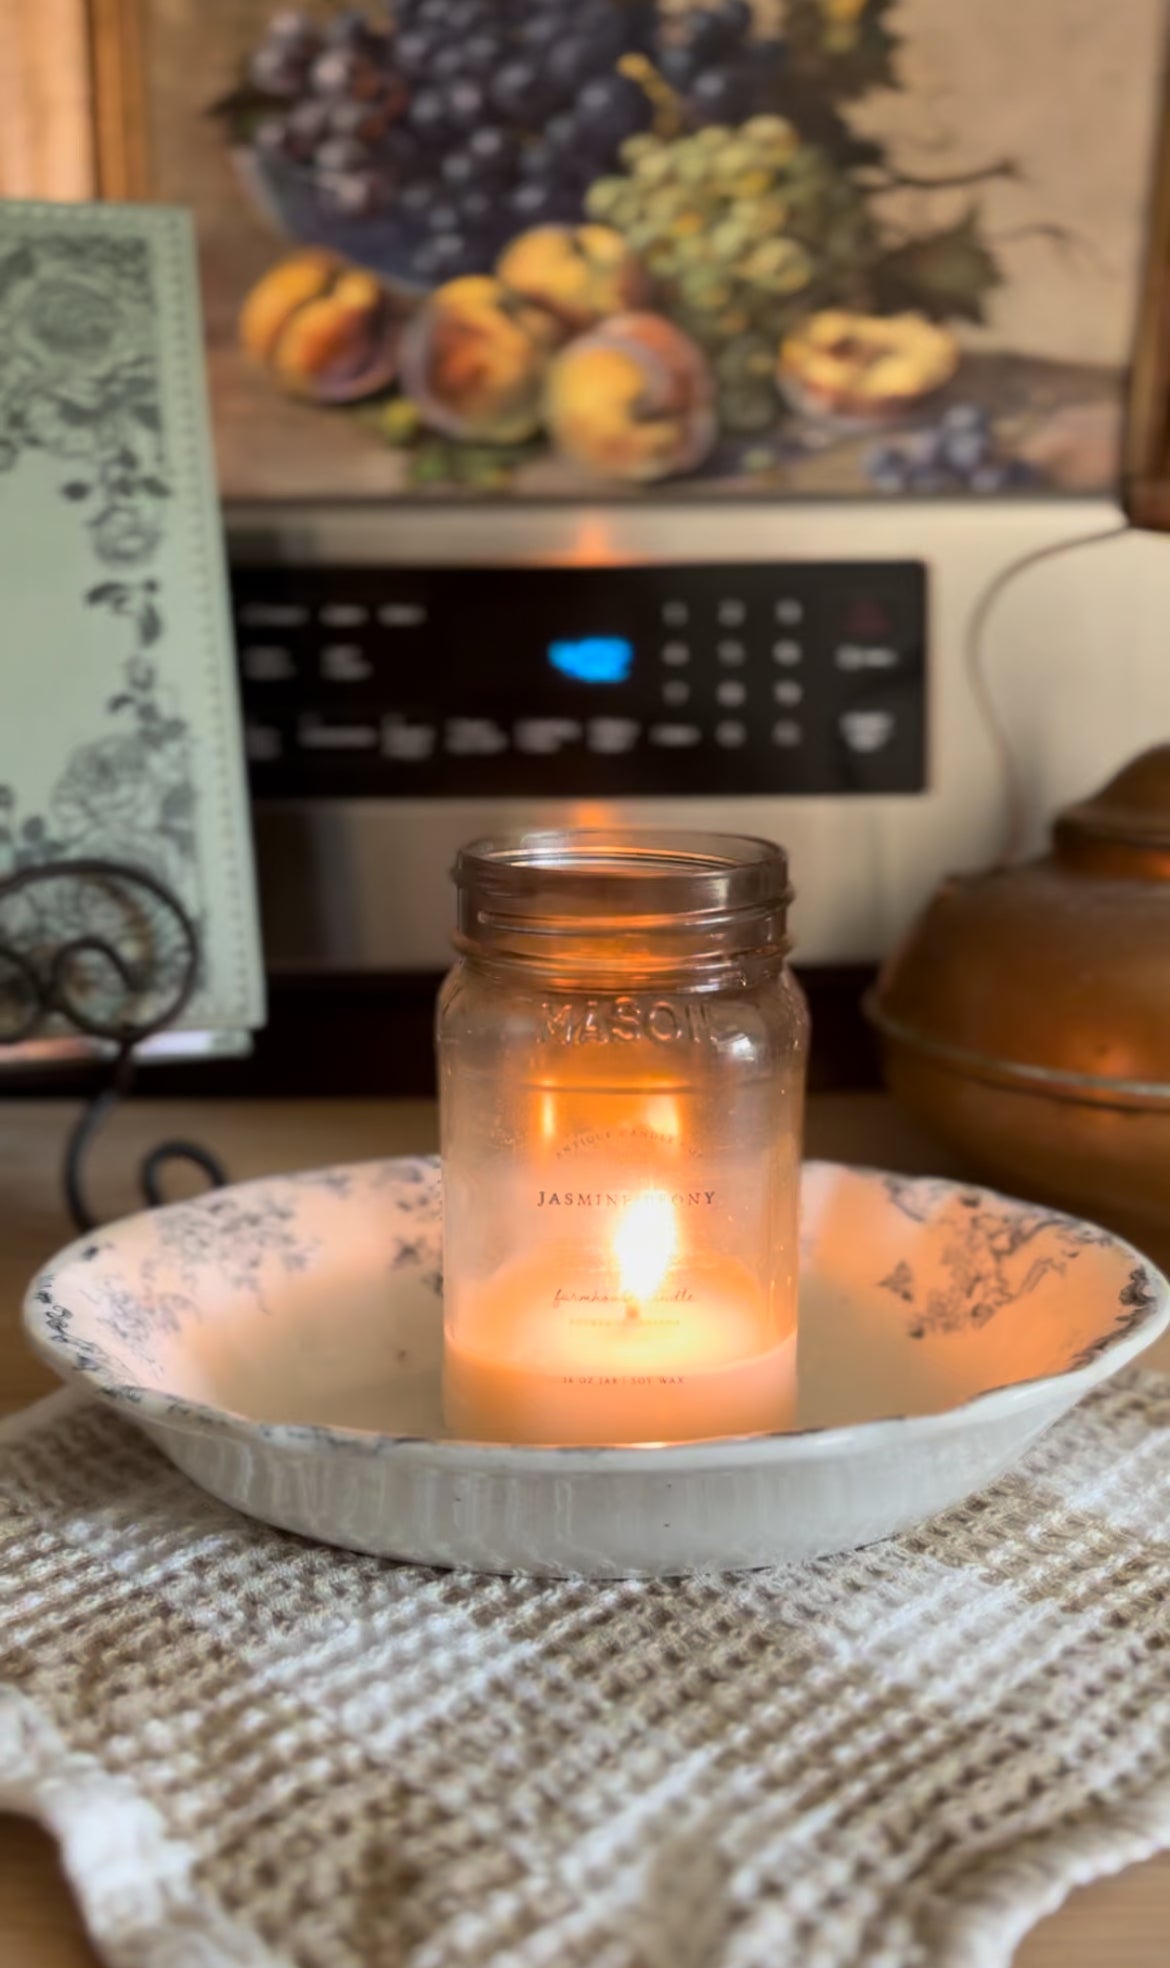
<point>343,614</point>
<point>402,614</point>
<point>272,615</point>
<point>730,652</point>
<point>474,737</point>
<point>865,656</point>
<point>613,734</point>
<point>867,731</point>
<point>546,734</point>
<point>731,612</point>
<point>675,653</point>
<point>676,691</point>
<point>267,662</point>
<point>730,691</point>
<point>408,742</point>
<point>867,619</point>
<point>786,733</point>
<point>787,691</point>
<point>730,732</point>
<point>676,736</point>
<point>675,614</point>
<point>263,743</point>
<point>315,735</point>
<point>345,662</point>
<point>787,651</point>
<point>789,610</point>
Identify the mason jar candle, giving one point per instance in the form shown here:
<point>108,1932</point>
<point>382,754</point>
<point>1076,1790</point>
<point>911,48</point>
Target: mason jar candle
<point>621,1052</point>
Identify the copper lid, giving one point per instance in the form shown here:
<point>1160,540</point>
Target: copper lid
<point>1057,970</point>
<point>1125,828</point>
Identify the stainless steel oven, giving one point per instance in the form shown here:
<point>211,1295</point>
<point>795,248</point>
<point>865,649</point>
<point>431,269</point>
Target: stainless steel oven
<point>413,678</point>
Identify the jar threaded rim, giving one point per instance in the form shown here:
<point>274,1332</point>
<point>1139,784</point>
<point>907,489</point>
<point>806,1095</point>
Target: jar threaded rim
<point>703,897</point>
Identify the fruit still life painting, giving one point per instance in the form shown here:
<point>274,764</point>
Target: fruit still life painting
<point>603,248</point>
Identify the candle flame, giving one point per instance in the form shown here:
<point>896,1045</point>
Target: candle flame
<point>644,1244</point>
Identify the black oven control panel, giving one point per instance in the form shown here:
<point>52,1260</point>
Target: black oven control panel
<point>578,682</point>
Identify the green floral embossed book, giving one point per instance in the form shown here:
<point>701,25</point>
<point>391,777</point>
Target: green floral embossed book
<point>119,721</point>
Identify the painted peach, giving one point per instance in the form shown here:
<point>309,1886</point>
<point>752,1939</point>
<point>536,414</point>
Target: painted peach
<point>633,400</point>
<point>580,274</point>
<point>324,329</point>
<point>474,359</point>
<point>863,367</point>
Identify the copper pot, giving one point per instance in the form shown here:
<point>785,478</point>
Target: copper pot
<point>1026,1017</point>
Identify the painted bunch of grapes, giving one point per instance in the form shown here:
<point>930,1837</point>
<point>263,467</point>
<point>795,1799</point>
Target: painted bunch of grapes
<point>639,236</point>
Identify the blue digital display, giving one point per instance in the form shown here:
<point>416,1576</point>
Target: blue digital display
<point>593,659</point>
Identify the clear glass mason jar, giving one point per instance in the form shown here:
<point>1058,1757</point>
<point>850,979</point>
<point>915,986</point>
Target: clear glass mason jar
<point>622,1052</point>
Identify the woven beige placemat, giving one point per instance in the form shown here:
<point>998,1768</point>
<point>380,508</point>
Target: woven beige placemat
<point>258,1751</point>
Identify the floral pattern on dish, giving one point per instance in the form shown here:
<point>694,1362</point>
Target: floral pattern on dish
<point>992,1254</point>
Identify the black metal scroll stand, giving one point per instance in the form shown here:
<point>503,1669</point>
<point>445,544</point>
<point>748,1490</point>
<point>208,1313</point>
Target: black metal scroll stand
<point>68,973</point>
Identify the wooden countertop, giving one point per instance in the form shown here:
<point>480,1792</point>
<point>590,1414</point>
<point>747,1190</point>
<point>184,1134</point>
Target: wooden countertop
<point>1122,1922</point>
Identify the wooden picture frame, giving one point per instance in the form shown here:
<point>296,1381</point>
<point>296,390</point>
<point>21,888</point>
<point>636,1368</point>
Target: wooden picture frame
<point>46,100</point>
<point>1146,455</point>
<point>73,101</point>
<point>116,32</point>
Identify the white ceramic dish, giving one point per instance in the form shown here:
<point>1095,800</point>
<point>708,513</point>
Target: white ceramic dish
<point>281,1342</point>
